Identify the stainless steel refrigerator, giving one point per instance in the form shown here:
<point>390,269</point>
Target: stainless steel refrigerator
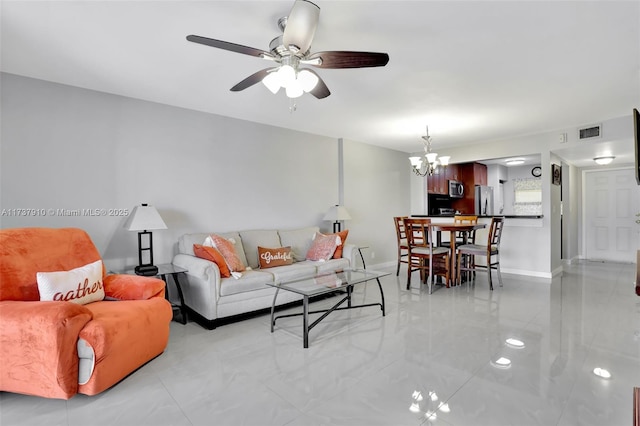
<point>484,200</point>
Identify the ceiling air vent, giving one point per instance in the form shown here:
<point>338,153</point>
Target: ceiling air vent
<point>590,132</point>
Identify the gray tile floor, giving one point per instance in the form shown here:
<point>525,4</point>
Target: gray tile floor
<point>431,360</point>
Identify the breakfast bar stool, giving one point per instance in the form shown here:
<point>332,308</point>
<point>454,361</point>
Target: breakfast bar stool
<point>491,250</point>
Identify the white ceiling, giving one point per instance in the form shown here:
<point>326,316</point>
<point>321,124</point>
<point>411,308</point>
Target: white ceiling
<point>473,71</point>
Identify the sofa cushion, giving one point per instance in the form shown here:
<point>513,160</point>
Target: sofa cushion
<point>323,246</point>
<point>186,242</point>
<point>250,281</point>
<point>212,255</point>
<point>299,240</point>
<point>252,239</point>
<point>293,272</point>
<point>80,285</point>
<point>327,265</point>
<point>272,257</point>
<point>332,265</point>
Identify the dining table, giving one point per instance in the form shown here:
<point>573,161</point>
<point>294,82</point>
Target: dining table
<point>453,228</point>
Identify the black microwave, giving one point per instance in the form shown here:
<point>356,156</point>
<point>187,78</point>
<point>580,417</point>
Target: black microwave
<point>456,189</point>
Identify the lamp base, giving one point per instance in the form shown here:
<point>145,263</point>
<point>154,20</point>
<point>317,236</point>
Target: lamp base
<point>147,270</point>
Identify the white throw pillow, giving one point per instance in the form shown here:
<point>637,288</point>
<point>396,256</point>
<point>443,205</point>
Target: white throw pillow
<point>81,285</point>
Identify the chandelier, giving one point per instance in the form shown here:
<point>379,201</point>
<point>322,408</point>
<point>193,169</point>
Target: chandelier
<point>428,165</point>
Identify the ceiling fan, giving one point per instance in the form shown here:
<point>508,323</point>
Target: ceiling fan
<point>291,51</point>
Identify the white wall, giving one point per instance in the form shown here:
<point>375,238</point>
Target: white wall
<point>377,187</point>
<point>70,148</point>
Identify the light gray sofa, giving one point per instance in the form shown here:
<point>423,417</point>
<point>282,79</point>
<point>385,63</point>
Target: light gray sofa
<point>213,298</point>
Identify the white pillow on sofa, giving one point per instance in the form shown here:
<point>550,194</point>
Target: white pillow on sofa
<point>80,285</point>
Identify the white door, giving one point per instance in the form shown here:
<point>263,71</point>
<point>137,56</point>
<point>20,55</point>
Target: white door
<point>612,199</point>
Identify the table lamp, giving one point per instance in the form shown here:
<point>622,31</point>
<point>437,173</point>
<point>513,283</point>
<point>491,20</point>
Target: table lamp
<point>143,219</point>
<point>337,213</point>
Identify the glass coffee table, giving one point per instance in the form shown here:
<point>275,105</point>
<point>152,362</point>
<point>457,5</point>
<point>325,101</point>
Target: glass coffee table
<point>322,284</point>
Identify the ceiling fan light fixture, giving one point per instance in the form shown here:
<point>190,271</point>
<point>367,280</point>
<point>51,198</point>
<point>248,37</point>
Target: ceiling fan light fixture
<point>308,80</point>
<point>272,82</point>
<point>286,74</point>
<point>294,89</point>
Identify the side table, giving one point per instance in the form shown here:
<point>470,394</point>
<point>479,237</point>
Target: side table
<point>175,272</point>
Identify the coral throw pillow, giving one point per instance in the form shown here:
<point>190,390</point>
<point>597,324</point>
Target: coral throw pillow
<point>81,285</point>
<point>343,237</point>
<point>323,246</point>
<point>228,251</point>
<point>271,257</point>
<point>212,255</point>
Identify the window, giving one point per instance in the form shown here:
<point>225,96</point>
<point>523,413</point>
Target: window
<point>527,196</point>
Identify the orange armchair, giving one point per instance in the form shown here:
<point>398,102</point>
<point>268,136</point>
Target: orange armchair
<point>56,349</point>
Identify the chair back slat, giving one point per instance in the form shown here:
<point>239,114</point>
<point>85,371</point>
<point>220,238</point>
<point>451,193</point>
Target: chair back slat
<point>418,232</point>
<point>495,231</point>
<point>468,219</point>
<point>400,231</point>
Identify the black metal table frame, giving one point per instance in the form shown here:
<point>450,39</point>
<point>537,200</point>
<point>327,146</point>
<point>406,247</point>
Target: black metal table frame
<point>306,327</point>
<point>176,280</point>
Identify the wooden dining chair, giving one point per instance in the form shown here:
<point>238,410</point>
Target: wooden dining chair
<point>402,241</point>
<point>464,237</point>
<point>491,251</point>
<point>422,255</point>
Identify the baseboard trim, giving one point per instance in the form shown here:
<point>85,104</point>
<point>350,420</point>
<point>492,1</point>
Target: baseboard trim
<point>537,274</point>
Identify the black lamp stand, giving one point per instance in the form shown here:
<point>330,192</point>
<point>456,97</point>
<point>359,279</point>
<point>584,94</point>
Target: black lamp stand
<point>146,269</point>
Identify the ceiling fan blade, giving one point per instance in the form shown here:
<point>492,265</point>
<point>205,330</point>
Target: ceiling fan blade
<point>321,90</point>
<point>238,48</point>
<point>301,25</point>
<point>251,80</point>
<point>346,59</point>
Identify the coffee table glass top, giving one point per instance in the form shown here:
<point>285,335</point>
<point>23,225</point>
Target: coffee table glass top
<point>328,282</point>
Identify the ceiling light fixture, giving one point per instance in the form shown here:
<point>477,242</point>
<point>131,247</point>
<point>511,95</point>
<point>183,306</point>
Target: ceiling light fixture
<point>295,82</point>
<point>604,160</point>
<point>429,165</point>
<point>514,161</point>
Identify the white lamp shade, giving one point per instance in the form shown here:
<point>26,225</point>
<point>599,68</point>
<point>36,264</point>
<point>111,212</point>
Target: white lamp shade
<point>431,157</point>
<point>272,82</point>
<point>444,160</point>
<point>336,213</point>
<point>294,89</point>
<point>416,162</point>
<point>307,79</point>
<point>286,74</point>
<point>144,218</point>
